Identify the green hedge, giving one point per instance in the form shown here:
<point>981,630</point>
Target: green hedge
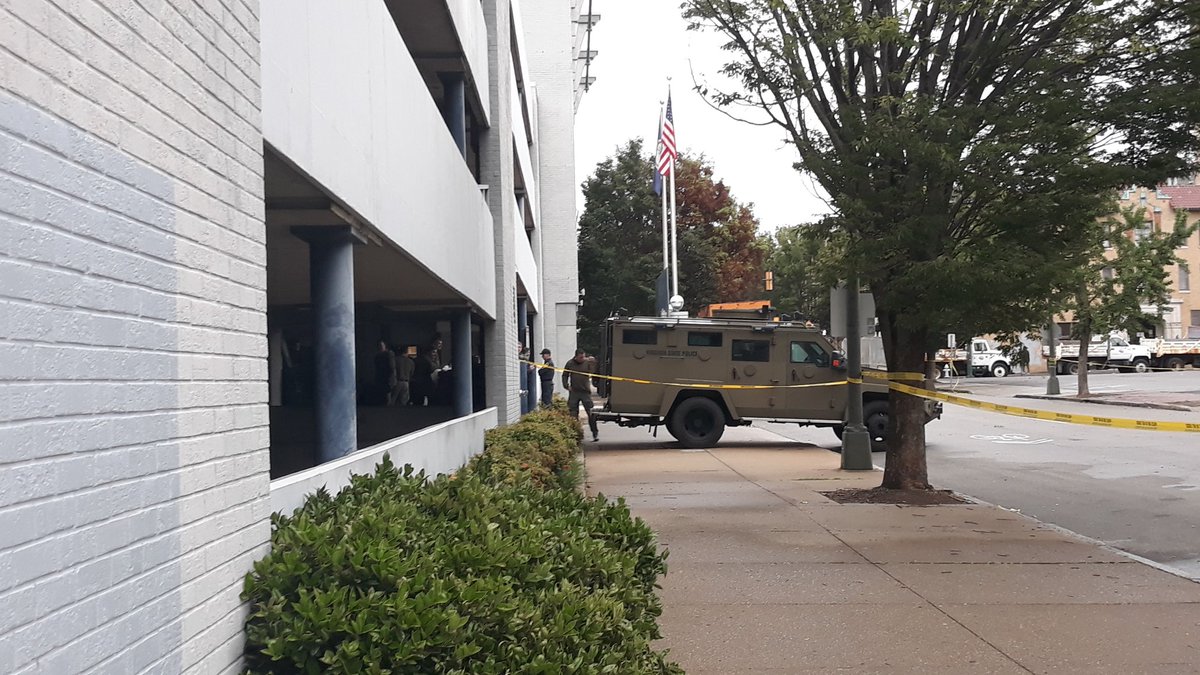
<point>543,447</point>
<point>485,572</point>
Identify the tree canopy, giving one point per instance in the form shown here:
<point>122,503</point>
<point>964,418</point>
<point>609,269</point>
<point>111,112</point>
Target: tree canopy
<point>805,266</point>
<point>960,142</point>
<point>721,253</point>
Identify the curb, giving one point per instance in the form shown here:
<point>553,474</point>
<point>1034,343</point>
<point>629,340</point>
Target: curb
<point>1086,539</point>
<point>1100,401</point>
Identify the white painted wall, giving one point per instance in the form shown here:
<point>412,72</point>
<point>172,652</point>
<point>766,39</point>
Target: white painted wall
<point>343,100</point>
<point>440,449</point>
<point>527,268</point>
<point>133,370</point>
<point>548,30</point>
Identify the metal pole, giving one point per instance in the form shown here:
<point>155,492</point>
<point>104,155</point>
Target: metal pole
<point>971,357</point>
<point>674,238</point>
<point>1052,388</point>
<point>663,194</point>
<point>856,442</point>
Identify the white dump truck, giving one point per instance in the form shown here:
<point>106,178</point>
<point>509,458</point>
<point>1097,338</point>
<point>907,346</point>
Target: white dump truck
<point>1174,354</point>
<point>1102,352</point>
<point>986,359</point>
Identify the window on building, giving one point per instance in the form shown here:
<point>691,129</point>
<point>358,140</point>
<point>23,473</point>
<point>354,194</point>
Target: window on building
<point>752,350</point>
<point>1196,318</point>
<point>698,339</point>
<point>1143,231</point>
<point>1107,273</point>
<point>1185,283</point>
<point>809,352</point>
<point>639,337</point>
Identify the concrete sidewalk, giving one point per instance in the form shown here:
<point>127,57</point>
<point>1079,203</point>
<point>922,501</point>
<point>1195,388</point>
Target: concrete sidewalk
<point>766,575</point>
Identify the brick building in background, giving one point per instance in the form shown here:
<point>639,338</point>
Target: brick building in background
<point>211,213</point>
<point>1162,206</point>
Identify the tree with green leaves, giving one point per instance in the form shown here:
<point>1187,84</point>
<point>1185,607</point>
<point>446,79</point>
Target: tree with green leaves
<point>721,254</point>
<point>804,265</point>
<point>959,141</point>
<point>1126,268</point>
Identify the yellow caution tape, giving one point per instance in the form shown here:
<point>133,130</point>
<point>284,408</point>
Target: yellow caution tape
<point>894,377</point>
<point>1032,413</point>
<point>696,385</point>
<point>895,385</point>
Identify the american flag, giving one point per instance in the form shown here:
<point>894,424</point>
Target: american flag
<point>666,143</point>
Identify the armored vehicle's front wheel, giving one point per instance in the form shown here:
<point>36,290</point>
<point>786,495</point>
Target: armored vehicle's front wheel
<point>697,422</point>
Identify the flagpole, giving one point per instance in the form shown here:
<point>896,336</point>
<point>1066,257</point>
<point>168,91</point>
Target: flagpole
<point>674,238</point>
<point>663,195</point>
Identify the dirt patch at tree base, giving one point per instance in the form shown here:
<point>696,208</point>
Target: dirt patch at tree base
<point>885,496</point>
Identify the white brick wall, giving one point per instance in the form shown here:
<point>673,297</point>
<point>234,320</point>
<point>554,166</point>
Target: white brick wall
<point>501,343</point>
<point>548,31</point>
<point>133,425</point>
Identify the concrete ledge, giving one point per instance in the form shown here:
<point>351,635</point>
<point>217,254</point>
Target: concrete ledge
<point>436,450</point>
<point>1114,401</point>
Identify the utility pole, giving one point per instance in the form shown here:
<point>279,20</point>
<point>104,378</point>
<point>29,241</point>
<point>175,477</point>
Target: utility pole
<point>856,442</point>
<point>971,357</point>
<point>1052,388</point>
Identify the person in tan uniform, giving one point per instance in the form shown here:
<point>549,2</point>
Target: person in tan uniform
<point>577,380</point>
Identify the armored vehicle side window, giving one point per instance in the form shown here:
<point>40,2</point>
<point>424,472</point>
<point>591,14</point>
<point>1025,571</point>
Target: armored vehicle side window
<point>752,350</point>
<point>704,339</point>
<point>639,337</point>
<point>809,352</point>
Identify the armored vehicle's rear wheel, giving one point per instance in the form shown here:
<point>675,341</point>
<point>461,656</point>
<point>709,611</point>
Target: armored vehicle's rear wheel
<point>697,422</point>
<point>669,423</point>
<point>875,417</point>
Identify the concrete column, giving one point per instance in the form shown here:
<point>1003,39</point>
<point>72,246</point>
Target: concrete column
<point>331,271</point>
<point>522,338</point>
<point>454,108</point>
<point>460,338</point>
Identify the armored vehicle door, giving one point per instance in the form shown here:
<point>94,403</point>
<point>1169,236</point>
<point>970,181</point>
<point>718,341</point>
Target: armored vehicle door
<point>754,360</point>
<point>809,361</point>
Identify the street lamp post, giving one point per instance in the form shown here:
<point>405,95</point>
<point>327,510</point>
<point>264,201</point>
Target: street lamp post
<point>856,442</point>
<point>1052,388</point>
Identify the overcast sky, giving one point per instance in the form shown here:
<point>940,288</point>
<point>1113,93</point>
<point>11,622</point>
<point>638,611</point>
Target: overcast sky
<point>640,44</point>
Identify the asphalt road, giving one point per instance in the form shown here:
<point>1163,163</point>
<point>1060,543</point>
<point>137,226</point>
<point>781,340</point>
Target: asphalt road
<point>1138,491</point>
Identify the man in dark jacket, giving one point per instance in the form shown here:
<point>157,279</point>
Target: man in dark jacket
<point>385,374</point>
<point>577,380</point>
<point>546,375</point>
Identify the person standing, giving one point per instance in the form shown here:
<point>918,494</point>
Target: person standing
<point>577,380</point>
<point>385,373</point>
<point>404,373</point>
<point>424,378</point>
<point>546,375</point>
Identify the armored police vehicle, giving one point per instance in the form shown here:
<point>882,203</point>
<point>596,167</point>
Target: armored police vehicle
<point>696,358</point>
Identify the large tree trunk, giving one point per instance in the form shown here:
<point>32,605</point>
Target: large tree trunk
<point>1085,338</point>
<point>906,469</point>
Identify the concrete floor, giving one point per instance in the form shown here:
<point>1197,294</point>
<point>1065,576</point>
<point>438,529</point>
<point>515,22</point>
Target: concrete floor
<point>1136,490</point>
<point>766,575</point>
